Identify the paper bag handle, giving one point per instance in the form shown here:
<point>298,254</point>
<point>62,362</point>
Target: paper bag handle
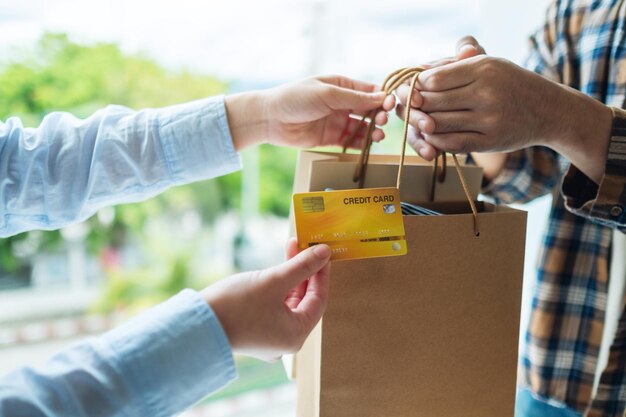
<point>441,177</point>
<point>391,83</point>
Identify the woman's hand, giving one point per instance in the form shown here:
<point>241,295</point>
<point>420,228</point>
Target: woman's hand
<point>321,111</point>
<point>269,313</point>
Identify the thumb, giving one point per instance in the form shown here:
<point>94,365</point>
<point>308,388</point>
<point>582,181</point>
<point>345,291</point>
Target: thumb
<point>306,264</point>
<point>340,98</point>
<point>468,47</point>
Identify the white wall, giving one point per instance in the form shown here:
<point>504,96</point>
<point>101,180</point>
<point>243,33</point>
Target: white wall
<point>507,24</point>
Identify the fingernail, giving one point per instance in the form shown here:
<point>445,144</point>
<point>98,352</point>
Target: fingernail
<point>379,95</point>
<point>467,47</point>
<point>421,123</point>
<point>321,251</point>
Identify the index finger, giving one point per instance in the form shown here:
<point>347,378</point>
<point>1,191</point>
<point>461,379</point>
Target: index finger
<point>439,62</point>
<point>447,77</point>
<point>350,83</point>
<point>403,94</point>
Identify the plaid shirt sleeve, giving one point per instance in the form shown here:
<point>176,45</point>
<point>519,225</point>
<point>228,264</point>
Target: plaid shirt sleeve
<point>527,174</point>
<point>604,203</point>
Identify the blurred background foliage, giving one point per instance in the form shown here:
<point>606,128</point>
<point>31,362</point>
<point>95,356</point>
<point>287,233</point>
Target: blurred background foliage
<point>61,75</point>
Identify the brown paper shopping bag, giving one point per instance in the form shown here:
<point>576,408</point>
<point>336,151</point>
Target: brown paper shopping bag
<point>430,334</point>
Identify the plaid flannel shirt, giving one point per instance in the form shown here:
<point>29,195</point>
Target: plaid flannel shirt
<point>583,45</point>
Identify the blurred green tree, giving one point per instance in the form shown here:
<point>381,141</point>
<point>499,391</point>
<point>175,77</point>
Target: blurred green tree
<point>61,75</point>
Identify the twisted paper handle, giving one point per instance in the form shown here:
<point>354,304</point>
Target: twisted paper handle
<point>391,83</point>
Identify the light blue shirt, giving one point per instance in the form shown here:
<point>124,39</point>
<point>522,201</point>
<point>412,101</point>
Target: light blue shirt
<point>66,169</point>
<point>173,355</point>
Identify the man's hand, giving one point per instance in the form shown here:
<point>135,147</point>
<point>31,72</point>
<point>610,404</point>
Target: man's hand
<point>271,312</point>
<point>466,47</point>
<point>485,103</point>
<point>489,104</point>
<point>307,113</point>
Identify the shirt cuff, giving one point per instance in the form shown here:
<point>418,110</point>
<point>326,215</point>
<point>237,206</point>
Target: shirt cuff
<point>604,203</point>
<point>197,141</point>
<point>172,355</point>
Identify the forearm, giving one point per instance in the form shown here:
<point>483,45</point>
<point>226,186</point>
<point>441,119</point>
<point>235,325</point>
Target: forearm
<point>247,119</point>
<point>492,163</point>
<point>155,365</point>
<point>574,125</point>
<point>68,168</point>
<point>581,132</point>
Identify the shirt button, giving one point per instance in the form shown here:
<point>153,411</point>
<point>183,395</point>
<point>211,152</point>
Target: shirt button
<point>616,211</point>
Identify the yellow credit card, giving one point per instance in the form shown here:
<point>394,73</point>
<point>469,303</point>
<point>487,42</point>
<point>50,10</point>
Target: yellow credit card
<point>362,223</point>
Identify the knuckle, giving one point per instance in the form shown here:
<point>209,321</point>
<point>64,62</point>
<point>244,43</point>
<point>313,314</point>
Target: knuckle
<point>402,91</point>
<point>328,90</point>
<point>434,81</point>
<point>492,66</point>
<point>467,39</point>
<point>310,265</point>
<point>488,63</point>
<point>453,126</point>
<point>484,95</point>
<point>456,145</point>
<point>416,99</point>
<point>446,124</point>
<point>400,109</point>
<point>464,145</point>
<point>490,96</point>
<point>493,119</point>
<point>332,79</point>
<point>439,101</point>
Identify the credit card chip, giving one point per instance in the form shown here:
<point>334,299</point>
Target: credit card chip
<point>312,204</point>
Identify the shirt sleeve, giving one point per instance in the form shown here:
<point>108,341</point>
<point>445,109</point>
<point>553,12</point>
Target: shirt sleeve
<point>542,58</point>
<point>67,168</point>
<point>526,175</point>
<point>157,365</point>
<point>603,203</point>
